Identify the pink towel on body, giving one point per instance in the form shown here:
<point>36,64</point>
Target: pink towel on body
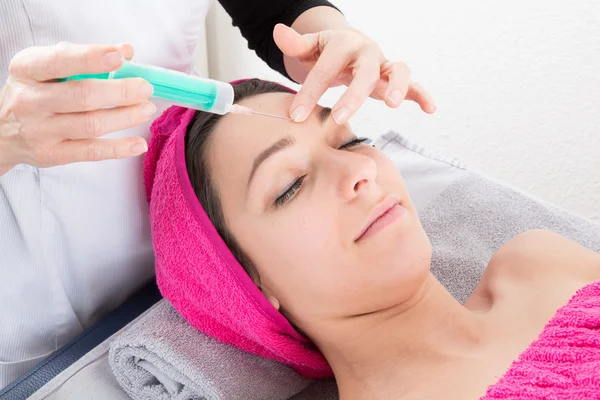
<point>196,271</point>
<point>564,362</point>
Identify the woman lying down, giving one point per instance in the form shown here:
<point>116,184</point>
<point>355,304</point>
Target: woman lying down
<point>299,243</point>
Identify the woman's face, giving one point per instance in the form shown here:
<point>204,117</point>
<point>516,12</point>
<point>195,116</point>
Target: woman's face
<point>298,198</point>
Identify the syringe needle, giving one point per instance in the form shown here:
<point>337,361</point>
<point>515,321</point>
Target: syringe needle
<point>271,115</point>
<point>237,109</point>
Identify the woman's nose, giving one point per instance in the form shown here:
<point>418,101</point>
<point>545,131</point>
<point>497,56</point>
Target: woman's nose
<point>357,174</point>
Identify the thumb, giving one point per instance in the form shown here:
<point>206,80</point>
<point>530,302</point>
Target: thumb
<point>292,44</point>
<point>126,50</point>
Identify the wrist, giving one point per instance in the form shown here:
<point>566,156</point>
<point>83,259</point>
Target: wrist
<point>321,18</point>
<point>313,20</point>
<point>5,164</point>
<point>5,168</point>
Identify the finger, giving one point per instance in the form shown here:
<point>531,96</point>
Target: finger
<point>330,64</point>
<point>63,60</point>
<point>93,94</point>
<point>366,77</point>
<point>292,44</point>
<point>126,50</point>
<point>82,150</point>
<point>417,93</point>
<point>92,124</point>
<point>398,79</point>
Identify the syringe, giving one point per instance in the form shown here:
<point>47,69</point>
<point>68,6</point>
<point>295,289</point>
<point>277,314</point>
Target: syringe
<point>181,89</point>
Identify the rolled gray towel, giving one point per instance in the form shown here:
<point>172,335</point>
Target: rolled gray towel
<point>162,357</point>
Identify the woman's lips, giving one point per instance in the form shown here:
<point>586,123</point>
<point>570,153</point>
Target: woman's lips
<point>384,214</point>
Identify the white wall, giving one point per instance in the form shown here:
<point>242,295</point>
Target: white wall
<point>517,85</point>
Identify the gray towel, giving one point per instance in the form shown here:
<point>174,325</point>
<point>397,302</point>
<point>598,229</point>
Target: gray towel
<point>161,357</point>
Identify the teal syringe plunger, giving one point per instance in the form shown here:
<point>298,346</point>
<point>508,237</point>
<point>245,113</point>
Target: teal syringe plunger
<point>181,89</point>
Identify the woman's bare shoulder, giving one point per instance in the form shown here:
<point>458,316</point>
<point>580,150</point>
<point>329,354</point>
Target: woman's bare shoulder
<point>541,254</point>
<point>536,272</point>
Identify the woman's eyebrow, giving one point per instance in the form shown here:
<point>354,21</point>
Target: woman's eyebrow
<point>324,114</point>
<point>268,152</point>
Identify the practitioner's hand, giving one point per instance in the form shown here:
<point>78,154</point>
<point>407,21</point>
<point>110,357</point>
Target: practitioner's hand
<point>45,123</point>
<point>345,57</point>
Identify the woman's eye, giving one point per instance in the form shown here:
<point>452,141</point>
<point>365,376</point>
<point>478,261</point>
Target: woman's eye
<point>290,192</point>
<point>354,142</point>
<point>293,189</point>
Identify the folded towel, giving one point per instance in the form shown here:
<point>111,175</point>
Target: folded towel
<point>197,272</point>
<point>162,357</point>
<point>564,362</point>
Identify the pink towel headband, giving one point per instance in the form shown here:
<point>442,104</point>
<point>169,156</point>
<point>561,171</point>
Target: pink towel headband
<point>196,271</point>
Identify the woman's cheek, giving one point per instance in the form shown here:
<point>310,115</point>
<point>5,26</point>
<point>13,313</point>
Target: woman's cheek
<point>307,232</point>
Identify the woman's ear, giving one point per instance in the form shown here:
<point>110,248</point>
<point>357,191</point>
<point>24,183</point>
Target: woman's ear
<point>270,297</point>
<point>274,302</point>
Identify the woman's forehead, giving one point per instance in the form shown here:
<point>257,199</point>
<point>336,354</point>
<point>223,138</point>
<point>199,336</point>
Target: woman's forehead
<point>237,139</point>
<point>235,131</point>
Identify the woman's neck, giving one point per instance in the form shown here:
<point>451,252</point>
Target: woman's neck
<point>388,350</point>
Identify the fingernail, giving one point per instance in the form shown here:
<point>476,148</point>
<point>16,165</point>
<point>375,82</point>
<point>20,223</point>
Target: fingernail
<point>395,97</point>
<point>339,116</point>
<point>139,148</point>
<point>432,108</point>
<point>111,59</point>
<point>299,114</point>
<point>146,89</point>
<point>148,109</point>
<point>126,56</point>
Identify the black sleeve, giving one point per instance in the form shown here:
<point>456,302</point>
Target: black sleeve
<point>256,20</point>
